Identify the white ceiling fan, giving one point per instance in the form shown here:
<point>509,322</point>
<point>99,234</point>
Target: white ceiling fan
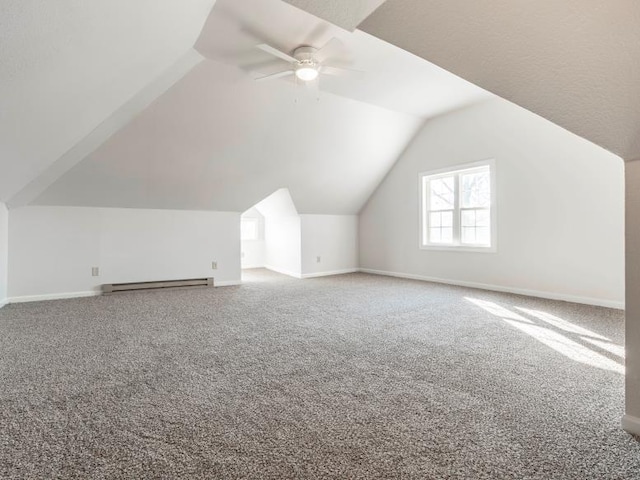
<point>306,64</point>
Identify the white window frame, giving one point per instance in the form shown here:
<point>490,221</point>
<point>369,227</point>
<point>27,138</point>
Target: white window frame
<point>457,246</point>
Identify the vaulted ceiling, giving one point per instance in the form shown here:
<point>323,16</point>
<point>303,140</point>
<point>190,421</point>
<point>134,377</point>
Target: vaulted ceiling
<point>67,65</point>
<point>138,119</point>
<point>106,103</point>
<point>217,140</point>
<point>574,62</point>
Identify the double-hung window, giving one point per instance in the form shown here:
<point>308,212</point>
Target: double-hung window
<point>458,208</point>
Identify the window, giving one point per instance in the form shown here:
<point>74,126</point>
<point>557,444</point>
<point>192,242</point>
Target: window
<point>458,208</point>
<point>249,229</point>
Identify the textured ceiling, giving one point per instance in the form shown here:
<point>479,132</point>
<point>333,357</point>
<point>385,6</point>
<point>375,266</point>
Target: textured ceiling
<point>347,15</point>
<point>217,140</point>
<point>573,62</point>
<point>66,65</point>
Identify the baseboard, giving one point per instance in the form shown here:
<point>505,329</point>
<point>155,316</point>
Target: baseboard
<point>631,424</point>
<point>282,271</point>
<point>3,303</point>
<point>249,267</point>
<point>333,272</point>
<point>226,283</point>
<point>62,296</point>
<point>53,296</point>
<point>498,288</point>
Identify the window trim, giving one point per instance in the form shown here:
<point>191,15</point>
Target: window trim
<point>454,169</point>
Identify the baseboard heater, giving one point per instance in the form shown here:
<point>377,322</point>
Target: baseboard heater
<point>128,287</point>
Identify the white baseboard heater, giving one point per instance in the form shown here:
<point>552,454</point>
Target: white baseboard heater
<point>110,288</point>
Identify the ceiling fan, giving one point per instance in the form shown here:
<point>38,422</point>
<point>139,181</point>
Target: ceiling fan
<point>306,64</point>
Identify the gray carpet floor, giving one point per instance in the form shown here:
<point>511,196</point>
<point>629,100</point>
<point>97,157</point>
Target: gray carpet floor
<point>353,376</point>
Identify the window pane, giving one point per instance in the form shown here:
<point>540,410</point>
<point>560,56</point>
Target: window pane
<point>441,196</point>
<point>447,219</point>
<point>468,235</point>
<point>434,235</point>
<point>435,219</point>
<point>447,235</point>
<point>468,218</point>
<point>483,218</point>
<point>476,189</point>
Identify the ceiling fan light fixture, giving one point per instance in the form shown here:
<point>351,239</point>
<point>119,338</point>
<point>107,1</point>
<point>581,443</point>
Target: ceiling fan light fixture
<point>307,72</point>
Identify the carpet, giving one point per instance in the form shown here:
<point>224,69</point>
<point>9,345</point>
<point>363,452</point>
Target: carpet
<point>353,376</point>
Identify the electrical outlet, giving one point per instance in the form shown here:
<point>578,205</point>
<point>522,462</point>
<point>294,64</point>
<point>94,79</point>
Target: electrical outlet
<point>317,259</point>
<point>95,271</point>
<point>214,265</point>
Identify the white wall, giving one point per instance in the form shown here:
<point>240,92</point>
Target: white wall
<point>560,208</point>
<point>283,244</point>
<point>333,238</point>
<point>253,252</point>
<point>4,252</point>
<point>54,248</point>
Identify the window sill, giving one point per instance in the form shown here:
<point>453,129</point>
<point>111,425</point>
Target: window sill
<point>459,248</point>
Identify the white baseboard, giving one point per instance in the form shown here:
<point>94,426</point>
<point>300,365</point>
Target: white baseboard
<point>62,296</point>
<point>498,288</point>
<point>53,296</point>
<point>333,272</point>
<point>481,286</point>
<point>249,267</point>
<point>282,271</point>
<point>631,424</point>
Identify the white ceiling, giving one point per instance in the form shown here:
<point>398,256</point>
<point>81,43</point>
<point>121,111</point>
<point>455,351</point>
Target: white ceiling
<point>217,140</point>
<point>574,62</point>
<point>68,64</point>
<point>393,78</point>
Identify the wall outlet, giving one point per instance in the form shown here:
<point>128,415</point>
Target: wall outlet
<point>214,265</point>
<point>317,259</point>
<point>95,271</point>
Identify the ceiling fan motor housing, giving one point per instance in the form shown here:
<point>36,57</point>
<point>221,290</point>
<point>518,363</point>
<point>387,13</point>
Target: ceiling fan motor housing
<point>307,68</point>
<point>304,54</point>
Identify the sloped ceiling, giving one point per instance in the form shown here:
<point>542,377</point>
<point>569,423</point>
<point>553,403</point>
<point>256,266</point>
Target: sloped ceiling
<point>68,64</point>
<point>391,77</point>
<point>347,15</point>
<point>574,62</point>
<point>218,140</point>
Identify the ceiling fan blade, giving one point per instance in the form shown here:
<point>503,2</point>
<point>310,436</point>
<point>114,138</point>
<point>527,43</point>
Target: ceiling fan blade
<point>273,76</point>
<point>276,53</point>
<point>339,71</point>
<point>325,50</point>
